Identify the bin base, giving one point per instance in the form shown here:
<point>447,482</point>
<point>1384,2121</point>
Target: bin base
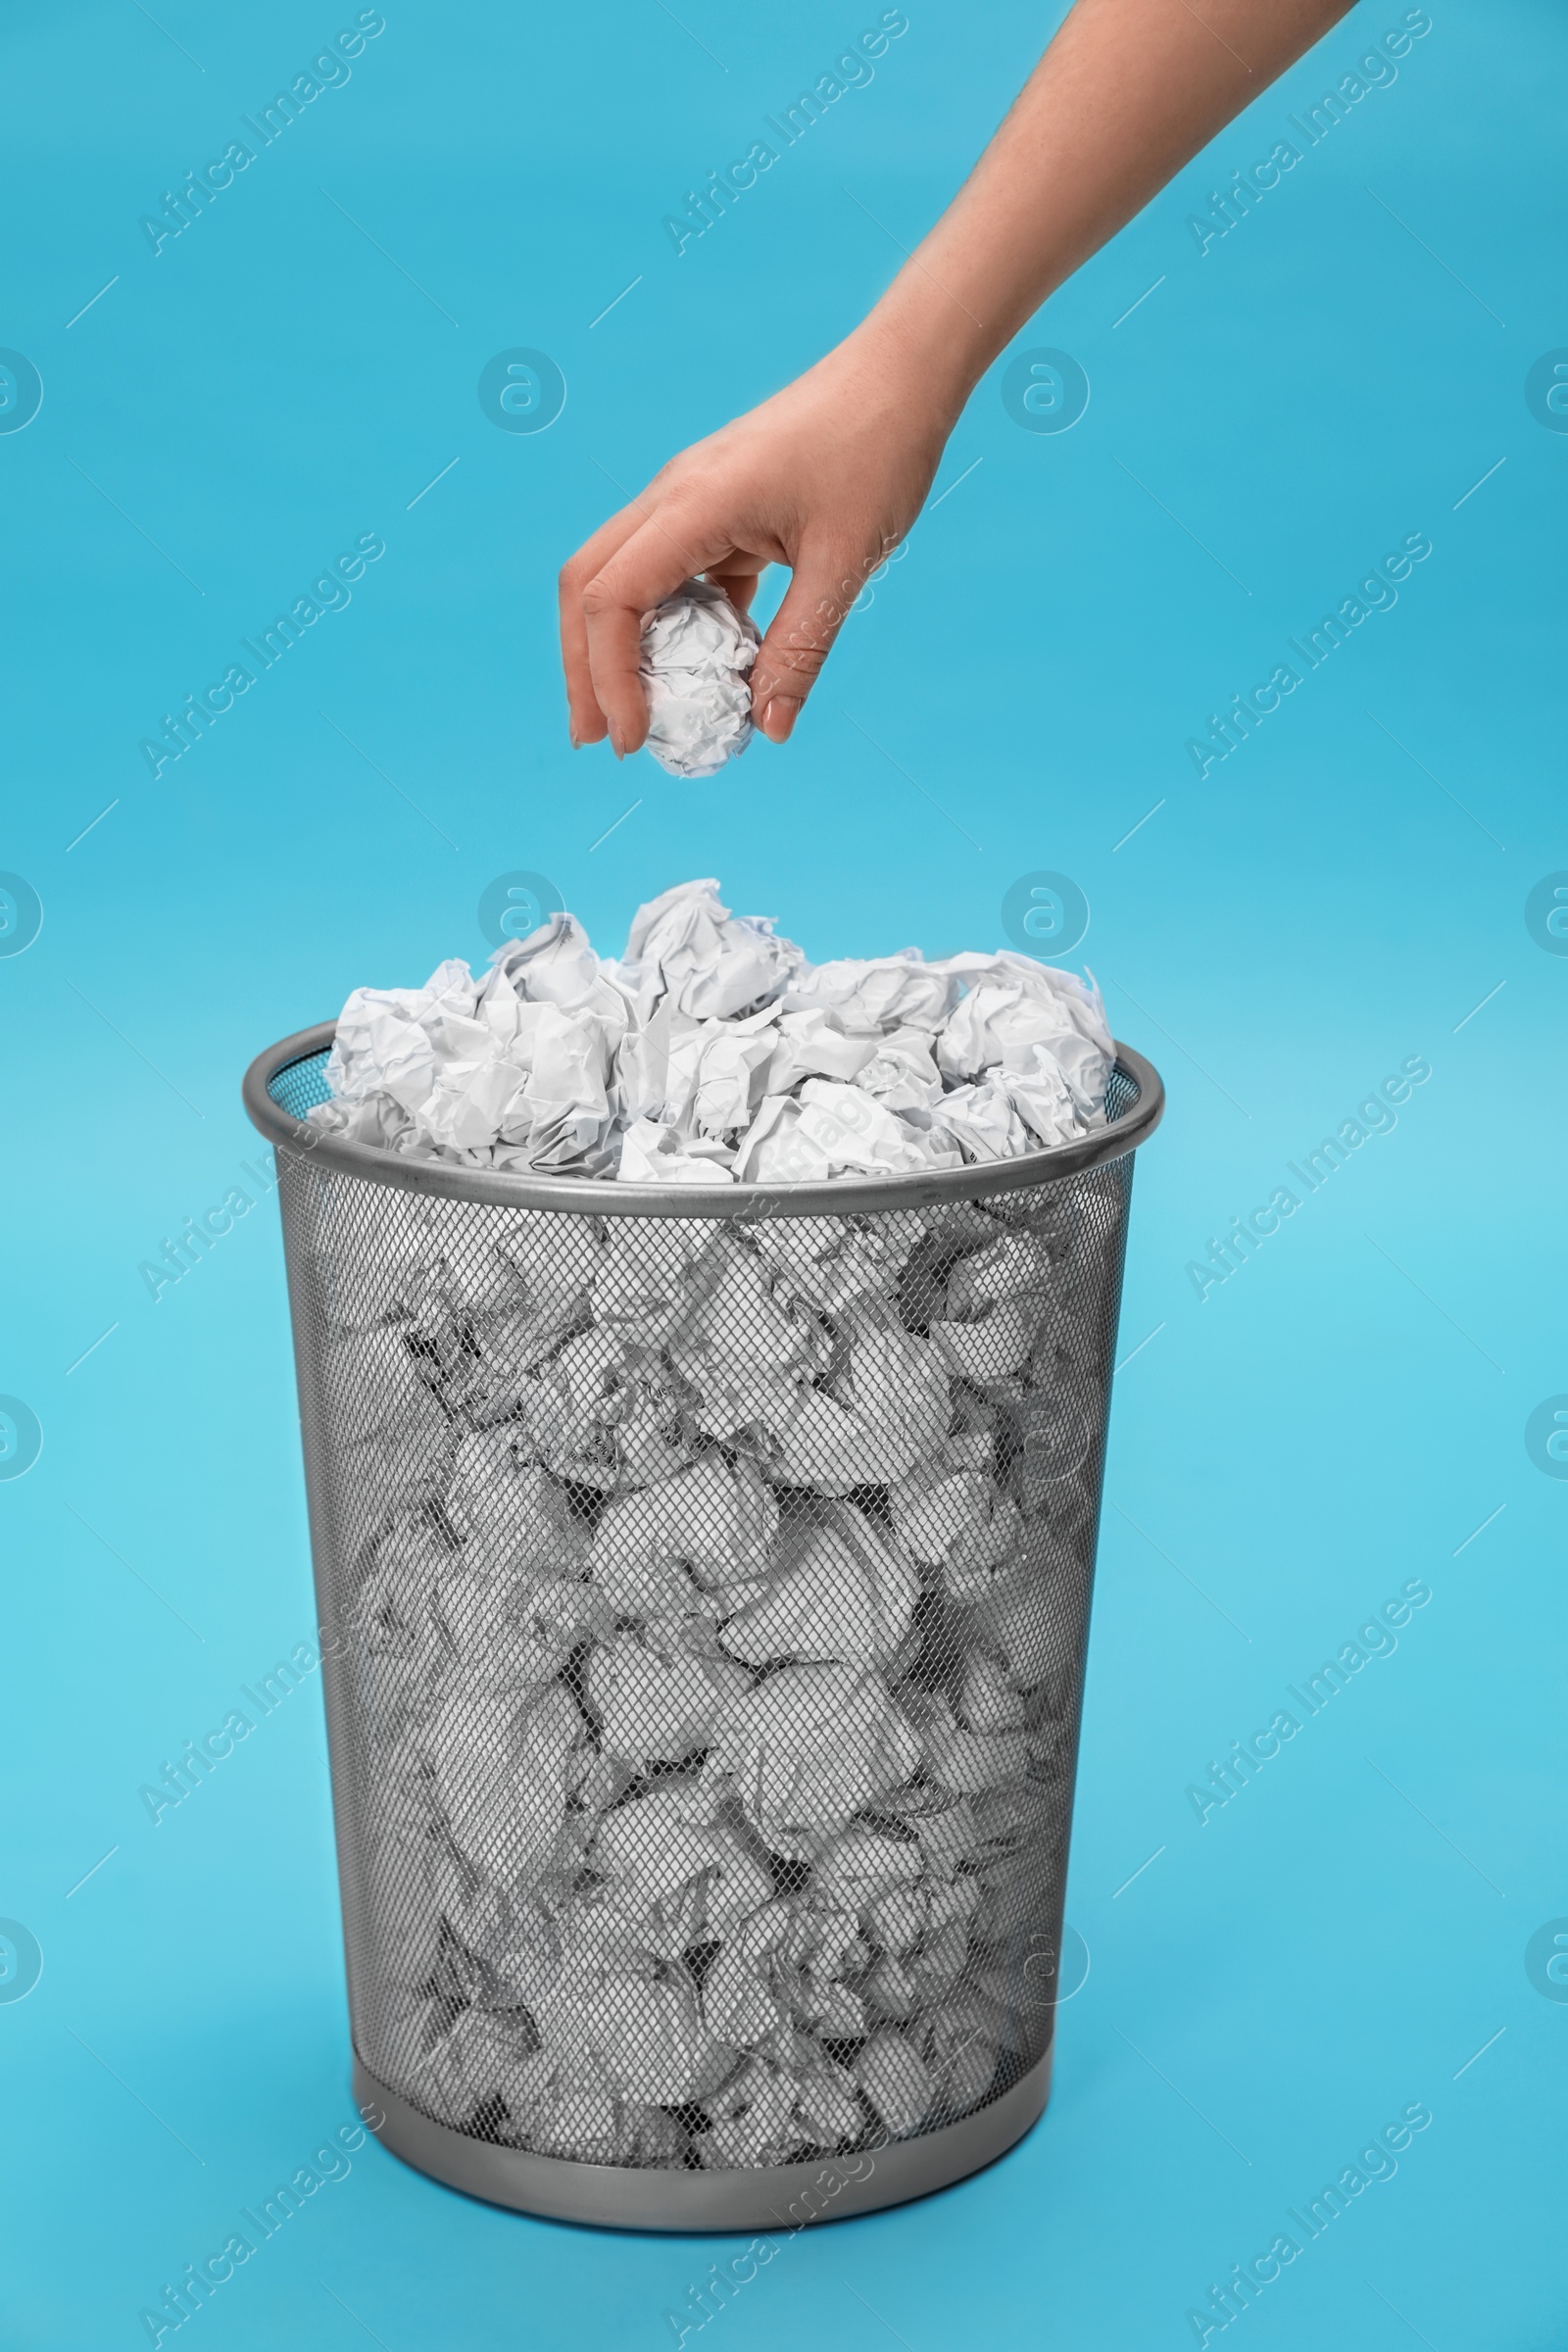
<point>610,2196</point>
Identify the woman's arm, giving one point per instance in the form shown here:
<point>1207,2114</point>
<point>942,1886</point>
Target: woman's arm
<point>829,475</point>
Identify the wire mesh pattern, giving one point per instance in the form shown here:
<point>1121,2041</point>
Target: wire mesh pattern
<point>709,1599</point>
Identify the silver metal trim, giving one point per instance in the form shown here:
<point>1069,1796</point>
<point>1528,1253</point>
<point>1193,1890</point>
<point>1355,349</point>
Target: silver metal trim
<point>610,2196</point>
<point>603,1196</point>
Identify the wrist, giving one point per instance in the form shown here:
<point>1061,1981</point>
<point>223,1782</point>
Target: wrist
<point>923,338</point>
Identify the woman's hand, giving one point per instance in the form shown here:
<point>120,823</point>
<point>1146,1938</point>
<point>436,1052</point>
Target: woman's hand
<point>827,476</point>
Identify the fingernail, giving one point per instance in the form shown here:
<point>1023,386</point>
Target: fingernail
<point>576,739</point>
<point>615,741</point>
<point>778,717</point>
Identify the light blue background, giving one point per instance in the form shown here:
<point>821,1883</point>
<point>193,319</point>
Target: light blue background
<point>1337,1418</point>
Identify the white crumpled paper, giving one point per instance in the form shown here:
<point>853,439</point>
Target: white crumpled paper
<point>715,1697</point>
<point>697,656</point>
<point>712,1054</point>
<point>810,1745</point>
<point>842,1593</point>
<point>716,1642</point>
<point>686,947</point>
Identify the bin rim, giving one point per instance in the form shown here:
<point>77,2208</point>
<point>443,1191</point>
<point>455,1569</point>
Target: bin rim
<point>601,1195</point>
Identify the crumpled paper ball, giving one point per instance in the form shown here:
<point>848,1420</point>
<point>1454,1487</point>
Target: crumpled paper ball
<point>714,1637</point>
<point>697,652</point>
<point>719,1709</point>
<point>712,1052</point>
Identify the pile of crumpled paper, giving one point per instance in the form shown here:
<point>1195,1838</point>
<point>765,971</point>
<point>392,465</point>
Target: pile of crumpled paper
<point>714,1052</point>
<point>715,1602</point>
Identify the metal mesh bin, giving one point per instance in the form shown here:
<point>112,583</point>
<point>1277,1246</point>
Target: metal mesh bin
<point>703,1577</point>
